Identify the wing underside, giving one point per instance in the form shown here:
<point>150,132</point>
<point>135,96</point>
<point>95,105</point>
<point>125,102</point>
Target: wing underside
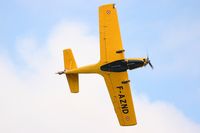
<point>111,48</point>
<point>120,93</point>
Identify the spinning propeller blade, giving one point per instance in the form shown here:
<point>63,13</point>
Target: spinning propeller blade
<point>149,62</point>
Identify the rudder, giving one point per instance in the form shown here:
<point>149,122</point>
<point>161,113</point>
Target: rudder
<point>70,63</point>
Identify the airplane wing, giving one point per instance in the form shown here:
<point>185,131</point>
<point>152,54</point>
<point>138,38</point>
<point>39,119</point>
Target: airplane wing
<point>120,93</point>
<point>111,48</point>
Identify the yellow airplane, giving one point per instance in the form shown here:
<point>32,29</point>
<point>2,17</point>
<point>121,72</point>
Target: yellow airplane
<point>112,66</point>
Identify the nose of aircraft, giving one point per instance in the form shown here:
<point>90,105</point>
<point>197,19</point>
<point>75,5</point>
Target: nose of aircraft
<point>148,62</point>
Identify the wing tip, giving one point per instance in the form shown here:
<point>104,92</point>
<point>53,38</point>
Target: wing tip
<point>128,124</point>
<point>113,5</point>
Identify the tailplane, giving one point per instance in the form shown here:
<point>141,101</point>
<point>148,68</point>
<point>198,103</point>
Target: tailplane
<point>70,63</point>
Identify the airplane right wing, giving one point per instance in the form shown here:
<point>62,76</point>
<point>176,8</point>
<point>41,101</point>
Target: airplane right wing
<point>120,93</point>
<point>111,48</point>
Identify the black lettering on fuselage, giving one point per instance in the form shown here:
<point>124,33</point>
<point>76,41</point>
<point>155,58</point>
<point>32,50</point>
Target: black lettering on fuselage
<point>125,111</point>
<point>124,106</point>
<point>120,87</point>
<point>123,103</point>
<point>121,96</point>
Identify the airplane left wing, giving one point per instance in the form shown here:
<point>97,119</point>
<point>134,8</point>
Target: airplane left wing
<point>120,93</point>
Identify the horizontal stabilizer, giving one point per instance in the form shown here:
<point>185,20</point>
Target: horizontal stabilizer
<point>73,82</point>
<point>70,63</point>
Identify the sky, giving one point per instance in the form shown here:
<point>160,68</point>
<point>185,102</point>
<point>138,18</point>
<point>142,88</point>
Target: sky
<point>33,34</point>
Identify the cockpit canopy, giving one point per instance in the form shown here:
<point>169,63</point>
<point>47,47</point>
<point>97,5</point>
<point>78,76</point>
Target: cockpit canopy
<point>122,65</point>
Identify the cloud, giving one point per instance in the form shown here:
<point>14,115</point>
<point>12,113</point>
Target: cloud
<point>40,101</point>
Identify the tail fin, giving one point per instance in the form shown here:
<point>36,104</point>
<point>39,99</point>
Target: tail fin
<point>69,63</point>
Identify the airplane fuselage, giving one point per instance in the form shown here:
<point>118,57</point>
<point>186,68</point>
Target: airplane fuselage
<point>123,65</point>
<point>115,66</point>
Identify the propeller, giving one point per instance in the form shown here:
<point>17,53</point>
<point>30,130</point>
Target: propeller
<point>149,62</point>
